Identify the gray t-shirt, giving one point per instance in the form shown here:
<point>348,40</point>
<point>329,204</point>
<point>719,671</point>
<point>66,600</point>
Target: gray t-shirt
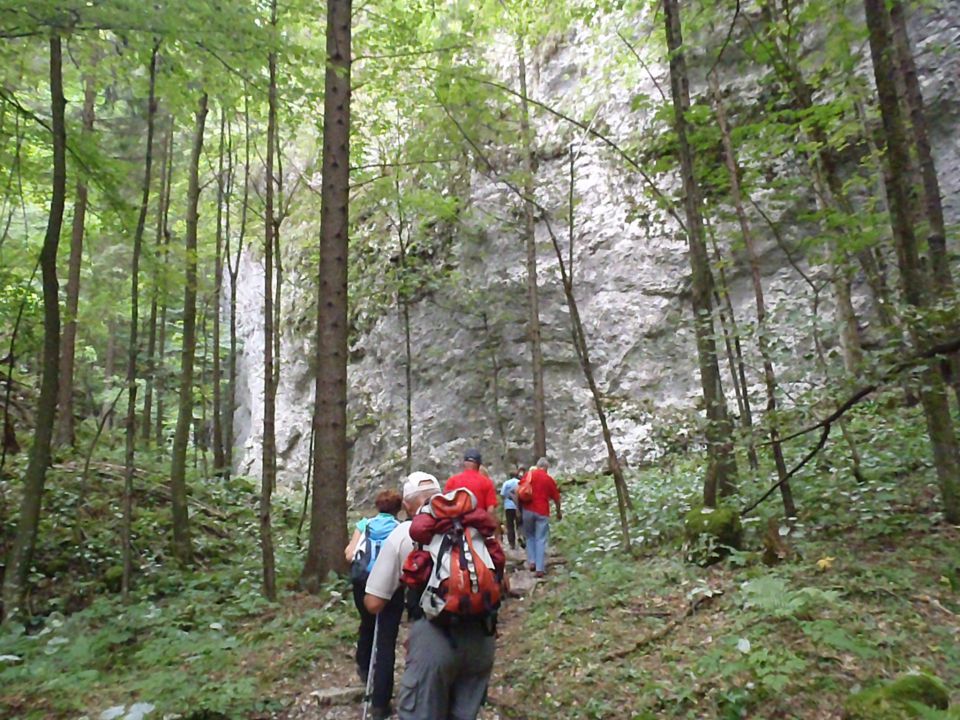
<point>385,574</point>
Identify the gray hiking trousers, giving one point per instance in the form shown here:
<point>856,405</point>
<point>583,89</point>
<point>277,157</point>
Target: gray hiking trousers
<point>447,671</point>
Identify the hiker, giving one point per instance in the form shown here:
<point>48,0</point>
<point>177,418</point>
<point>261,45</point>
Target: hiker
<point>364,547</point>
<point>535,492</point>
<point>449,658</point>
<point>509,493</point>
<point>476,482</point>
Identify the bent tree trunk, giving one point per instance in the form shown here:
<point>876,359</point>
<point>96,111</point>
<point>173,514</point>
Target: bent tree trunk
<point>182,547</point>
<point>721,462</point>
<point>65,431</point>
<point>328,509</point>
<point>21,554</point>
<point>132,350</point>
<point>933,395</point>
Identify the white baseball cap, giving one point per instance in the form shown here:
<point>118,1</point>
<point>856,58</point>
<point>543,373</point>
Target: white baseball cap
<point>418,482</point>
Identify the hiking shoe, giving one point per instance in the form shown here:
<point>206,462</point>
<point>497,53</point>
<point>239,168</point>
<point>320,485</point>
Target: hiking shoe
<point>540,573</point>
<point>380,713</point>
<point>531,567</point>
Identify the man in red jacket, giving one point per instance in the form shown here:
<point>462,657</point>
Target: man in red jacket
<point>536,516</point>
<point>475,481</point>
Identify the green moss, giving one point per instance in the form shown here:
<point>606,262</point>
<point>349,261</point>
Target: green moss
<point>711,531</point>
<point>113,577</point>
<point>896,700</point>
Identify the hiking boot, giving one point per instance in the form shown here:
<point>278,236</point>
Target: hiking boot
<point>540,573</point>
<point>380,713</point>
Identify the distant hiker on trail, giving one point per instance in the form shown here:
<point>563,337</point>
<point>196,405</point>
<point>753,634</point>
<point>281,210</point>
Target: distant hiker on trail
<point>476,482</point>
<point>364,547</point>
<point>511,510</point>
<point>451,643</point>
<point>535,492</point>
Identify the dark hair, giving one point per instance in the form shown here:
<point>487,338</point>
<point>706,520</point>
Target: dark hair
<point>389,501</point>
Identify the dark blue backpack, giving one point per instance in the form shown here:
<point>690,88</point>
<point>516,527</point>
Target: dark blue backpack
<point>376,532</point>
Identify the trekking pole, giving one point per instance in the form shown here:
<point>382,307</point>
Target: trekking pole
<point>368,691</point>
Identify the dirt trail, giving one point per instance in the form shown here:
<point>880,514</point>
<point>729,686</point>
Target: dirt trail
<point>332,692</point>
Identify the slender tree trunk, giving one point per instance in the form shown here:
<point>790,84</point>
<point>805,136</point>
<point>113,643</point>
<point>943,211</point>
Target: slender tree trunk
<point>932,394</point>
<point>769,376</point>
<point>404,307</point>
<point>65,429</point>
<point>218,455</point>
<point>233,266</point>
<point>269,446</point>
<point>21,554</point>
<point>329,502</point>
<point>159,251</point>
<point>734,348</point>
<point>530,241</point>
<point>182,546</point>
<point>132,349</point>
<point>722,465</point>
<point>491,345</point>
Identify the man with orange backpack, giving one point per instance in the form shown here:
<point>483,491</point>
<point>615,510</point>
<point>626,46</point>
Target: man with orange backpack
<point>535,492</point>
<point>452,566</point>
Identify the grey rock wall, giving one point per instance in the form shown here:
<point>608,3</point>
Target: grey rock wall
<point>631,274</point>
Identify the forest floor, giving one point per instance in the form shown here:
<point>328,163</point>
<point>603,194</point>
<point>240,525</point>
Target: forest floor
<point>870,591</point>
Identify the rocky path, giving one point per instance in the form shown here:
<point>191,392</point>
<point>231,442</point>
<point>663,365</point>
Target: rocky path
<point>332,692</point>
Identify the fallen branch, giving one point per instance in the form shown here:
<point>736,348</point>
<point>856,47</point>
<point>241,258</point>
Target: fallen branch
<point>945,348</point>
<point>691,608</point>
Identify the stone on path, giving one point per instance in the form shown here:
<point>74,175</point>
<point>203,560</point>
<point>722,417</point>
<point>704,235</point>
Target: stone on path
<point>522,583</point>
<point>338,695</point>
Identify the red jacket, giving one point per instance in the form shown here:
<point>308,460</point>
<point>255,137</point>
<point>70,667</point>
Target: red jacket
<point>544,490</point>
<point>480,485</point>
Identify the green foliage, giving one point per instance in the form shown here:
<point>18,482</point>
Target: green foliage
<point>900,699</point>
<point>710,533</point>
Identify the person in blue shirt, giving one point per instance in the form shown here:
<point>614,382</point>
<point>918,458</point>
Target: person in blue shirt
<point>512,507</point>
<point>370,533</point>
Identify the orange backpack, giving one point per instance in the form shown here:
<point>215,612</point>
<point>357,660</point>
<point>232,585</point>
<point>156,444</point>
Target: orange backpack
<point>525,487</point>
<point>463,579</point>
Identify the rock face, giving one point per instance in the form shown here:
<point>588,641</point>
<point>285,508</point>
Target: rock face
<point>471,380</point>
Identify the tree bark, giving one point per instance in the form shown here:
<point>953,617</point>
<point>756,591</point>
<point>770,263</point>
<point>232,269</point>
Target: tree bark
<point>182,546</point>
<point>159,252</point>
<point>721,461</point>
<point>932,394</point>
<point>530,242</point>
<point>65,426</point>
<point>268,477</point>
<point>769,376</point>
<point>329,501</point>
<point>132,349</point>
<point>218,456</point>
<point>21,554</point>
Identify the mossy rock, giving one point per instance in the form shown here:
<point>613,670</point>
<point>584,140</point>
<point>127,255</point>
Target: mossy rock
<point>897,700</point>
<point>710,532</point>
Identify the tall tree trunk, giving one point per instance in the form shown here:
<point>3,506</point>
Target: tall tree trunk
<point>132,350</point>
<point>65,429</point>
<point>159,252</point>
<point>530,242</point>
<point>218,456</point>
<point>932,394</point>
<point>269,446</point>
<point>932,203</point>
<point>328,508</point>
<point>769,376</point>
<point>721,461</point>
<point>21,554</point>
<point>182,546</point>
